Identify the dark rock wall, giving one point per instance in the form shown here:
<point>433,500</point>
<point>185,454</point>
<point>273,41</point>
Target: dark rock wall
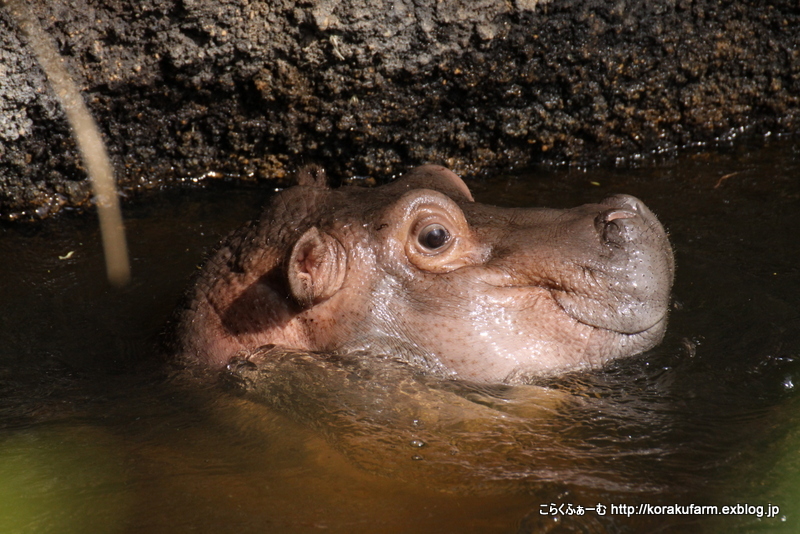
<point>250,90</point>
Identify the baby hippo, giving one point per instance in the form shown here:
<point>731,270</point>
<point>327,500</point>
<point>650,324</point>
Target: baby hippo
<point>418,270</point>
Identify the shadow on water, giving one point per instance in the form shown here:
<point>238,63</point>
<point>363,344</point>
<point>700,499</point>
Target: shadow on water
<point>95,434</point>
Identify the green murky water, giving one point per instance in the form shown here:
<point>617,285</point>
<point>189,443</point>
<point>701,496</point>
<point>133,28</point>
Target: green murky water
<point>95,437</point>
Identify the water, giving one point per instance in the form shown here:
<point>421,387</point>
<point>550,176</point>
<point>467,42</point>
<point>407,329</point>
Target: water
<point>96,436</point>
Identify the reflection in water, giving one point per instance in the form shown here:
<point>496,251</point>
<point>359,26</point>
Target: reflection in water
<point>459,436</point>
<point>95,434</point>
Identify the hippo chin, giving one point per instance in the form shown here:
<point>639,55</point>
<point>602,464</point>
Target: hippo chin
<point>417,269</point>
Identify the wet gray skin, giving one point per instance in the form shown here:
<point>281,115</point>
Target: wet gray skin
<point>418,270</point>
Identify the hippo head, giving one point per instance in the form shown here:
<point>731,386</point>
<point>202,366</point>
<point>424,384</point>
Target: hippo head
<point>418,270</point>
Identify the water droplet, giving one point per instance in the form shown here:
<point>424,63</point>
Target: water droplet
<point>416,457</point>
<point>788,384</point>
<point>417,443</point>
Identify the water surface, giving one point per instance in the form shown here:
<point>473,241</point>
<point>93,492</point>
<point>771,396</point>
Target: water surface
<point>96,436</point>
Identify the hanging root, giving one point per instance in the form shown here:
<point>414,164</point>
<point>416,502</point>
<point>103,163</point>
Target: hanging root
<point>87,135</point>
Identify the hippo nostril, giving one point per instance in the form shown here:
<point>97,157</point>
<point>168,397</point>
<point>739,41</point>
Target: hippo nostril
<point>610,224</point>
<point>626,202</point>
<point>614,214</point>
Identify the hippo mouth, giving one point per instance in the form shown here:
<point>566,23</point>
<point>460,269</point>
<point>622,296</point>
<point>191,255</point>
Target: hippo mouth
<point>624,285</point>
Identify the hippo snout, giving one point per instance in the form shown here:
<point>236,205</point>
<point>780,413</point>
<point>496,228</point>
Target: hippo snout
<point>630,283</point>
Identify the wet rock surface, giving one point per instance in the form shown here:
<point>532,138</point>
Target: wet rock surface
<point>238,89</point>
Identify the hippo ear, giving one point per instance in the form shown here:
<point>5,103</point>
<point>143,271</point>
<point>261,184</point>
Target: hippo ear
<point>312,176</point>
<point>316,267</point>
<point>439,178</point>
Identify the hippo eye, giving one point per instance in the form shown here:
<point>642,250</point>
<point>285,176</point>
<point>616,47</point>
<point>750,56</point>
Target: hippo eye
<point>434,236</point>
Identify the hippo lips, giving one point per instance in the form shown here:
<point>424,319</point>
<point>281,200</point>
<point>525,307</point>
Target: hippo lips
<point>609,324</point>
